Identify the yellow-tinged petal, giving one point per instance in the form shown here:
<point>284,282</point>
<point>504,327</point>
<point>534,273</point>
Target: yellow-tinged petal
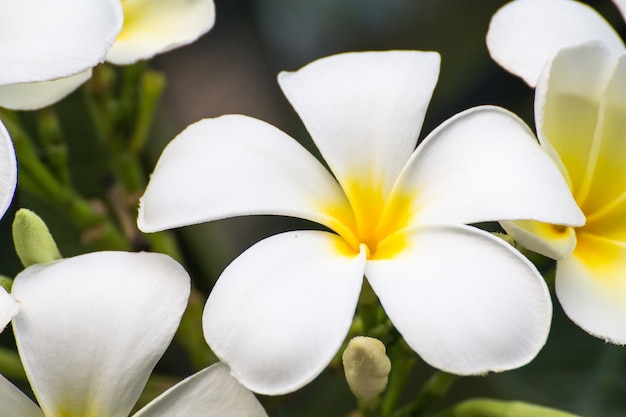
<point>607,177</point>
<point>153,27</point>
<point>554,241</point>
<point>567,103</point>
<point>591,287</point>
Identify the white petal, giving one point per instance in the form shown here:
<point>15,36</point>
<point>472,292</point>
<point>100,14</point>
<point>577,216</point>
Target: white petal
<point>15,403</point>
<point>153,27</point>
<point>484,164</point>
<point>567,102</point>
<point>233,166</point>
<point>45,40</point>
<point>8,308</point>
<point>212,392</point>
<point>8,170</point>
<point>524,34</point>
<point>464,300</point>
<point>591,288</point>
<point>364,110</point>
<point>280,311</point>
<point>34,96</point>
<point>91,328</point>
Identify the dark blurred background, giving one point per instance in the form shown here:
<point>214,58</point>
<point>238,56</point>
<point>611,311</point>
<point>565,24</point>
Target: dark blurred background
<point>233,69</point>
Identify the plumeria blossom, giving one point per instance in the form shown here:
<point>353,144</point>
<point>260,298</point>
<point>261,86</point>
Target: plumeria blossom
<point>150,27</point>
<point>91,329</point>
<point>580,112</point>
<point>46,40</point>
<point>462,299</point>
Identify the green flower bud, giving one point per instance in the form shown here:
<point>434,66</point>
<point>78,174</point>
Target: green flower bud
<point>6,283</point>
<point>32,239</point>
<point>366,367</point>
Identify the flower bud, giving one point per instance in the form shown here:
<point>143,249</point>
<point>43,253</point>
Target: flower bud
<point>366,367</point>
<point>32,239</point>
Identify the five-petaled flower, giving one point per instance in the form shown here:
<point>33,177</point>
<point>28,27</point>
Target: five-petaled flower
<point>580,113</point>
<point>464,300</point>
<point>89,331</point>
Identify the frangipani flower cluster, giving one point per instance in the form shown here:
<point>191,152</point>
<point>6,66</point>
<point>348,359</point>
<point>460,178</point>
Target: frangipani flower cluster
<point>580,113</point>
<point>150,27</point>
<point>90,330</point>
<point>463,300</point>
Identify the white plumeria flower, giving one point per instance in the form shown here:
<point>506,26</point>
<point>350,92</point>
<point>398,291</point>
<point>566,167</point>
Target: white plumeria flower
<point>464,300</point>
<point>48,40</point>
<point>150,27</point>
<point>580,112</point>
<point>91,329</point>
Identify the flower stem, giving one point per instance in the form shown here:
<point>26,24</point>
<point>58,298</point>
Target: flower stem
<point>434,389</point>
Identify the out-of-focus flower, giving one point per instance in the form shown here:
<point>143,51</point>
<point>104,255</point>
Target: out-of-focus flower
<point>524,34</point>
<point>44,41</point>
<point>580,112</point>
<point>464,300</point>
<point>150,27</point>
<point>90,330</point>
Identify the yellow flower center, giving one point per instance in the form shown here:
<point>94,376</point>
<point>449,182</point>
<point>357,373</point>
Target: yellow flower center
<point>372,220</point>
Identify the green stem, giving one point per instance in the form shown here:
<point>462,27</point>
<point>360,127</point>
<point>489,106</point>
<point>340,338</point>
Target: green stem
<point>401,369</point>
<point>434,389</point>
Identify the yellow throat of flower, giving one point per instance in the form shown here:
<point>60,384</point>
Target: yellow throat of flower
<point>372,220</point>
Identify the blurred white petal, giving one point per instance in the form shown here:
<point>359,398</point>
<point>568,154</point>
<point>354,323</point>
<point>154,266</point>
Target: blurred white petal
<point>34,96</point>
<point>525,34</point>
<point>212,392</point>
<point>44,40</point>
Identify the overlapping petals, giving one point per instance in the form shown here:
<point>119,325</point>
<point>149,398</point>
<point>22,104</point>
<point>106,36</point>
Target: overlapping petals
<point>153,27</point>
<point>45,40</point>
<point>580,111</point>
<point>280,310</point>
<point>90,330</point>
<point>525,34</point>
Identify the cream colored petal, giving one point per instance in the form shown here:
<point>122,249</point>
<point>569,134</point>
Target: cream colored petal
<point>591,287</point>
<point>34,96</point>
<point>567,103</point>
<point>153,27</point>
<point>556,242</point>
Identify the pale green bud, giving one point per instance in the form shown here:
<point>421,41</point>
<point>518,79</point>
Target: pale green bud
<point>366,367</point>
<point>32,239</point>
